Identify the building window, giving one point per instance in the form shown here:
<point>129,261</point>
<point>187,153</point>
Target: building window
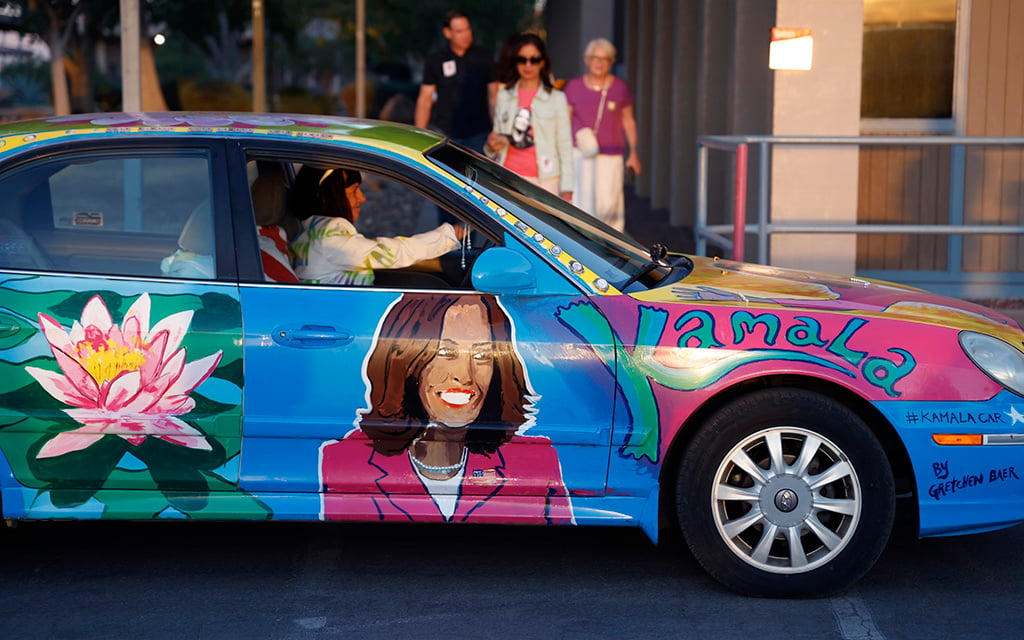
<point>909,59</point>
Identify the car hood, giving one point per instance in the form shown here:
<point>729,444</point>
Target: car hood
<point>731,283</point>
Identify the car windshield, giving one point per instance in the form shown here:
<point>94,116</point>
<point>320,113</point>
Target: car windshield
<point>611,254</point>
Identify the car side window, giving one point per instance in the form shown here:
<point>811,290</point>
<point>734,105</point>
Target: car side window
<point>335,225</point>
<point>148,216</point>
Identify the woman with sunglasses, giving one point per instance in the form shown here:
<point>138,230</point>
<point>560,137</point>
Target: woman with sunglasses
<point>532,134</point>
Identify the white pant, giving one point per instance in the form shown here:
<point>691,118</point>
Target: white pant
<point>598,190</point>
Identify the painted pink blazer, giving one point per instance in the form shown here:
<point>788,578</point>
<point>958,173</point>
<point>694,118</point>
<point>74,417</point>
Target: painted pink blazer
<point>520,483</point>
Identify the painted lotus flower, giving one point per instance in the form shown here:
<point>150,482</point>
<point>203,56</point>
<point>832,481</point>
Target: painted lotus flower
<point>129,380</point>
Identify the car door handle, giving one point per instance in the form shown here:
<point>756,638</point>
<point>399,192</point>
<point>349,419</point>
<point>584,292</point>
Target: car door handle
<point>311,336</point>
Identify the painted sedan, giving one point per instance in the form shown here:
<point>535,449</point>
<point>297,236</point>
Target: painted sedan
<point>244,316</point>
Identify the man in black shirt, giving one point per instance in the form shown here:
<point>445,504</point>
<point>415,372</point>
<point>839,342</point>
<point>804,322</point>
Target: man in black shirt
<point>461,76</point>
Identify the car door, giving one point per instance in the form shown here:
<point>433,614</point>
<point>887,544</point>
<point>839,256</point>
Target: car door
<point>120,358</point>
<point>323,361</point>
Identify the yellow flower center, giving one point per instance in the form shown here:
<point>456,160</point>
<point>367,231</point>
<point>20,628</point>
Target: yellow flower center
<point>105,359</point>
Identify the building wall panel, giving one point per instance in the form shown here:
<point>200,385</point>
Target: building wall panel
<point>995,107</point>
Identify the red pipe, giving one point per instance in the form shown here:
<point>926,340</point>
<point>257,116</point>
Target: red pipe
<point>739,232</point>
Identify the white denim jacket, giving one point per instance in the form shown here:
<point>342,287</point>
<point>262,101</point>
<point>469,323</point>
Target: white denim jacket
<point>552,132</point>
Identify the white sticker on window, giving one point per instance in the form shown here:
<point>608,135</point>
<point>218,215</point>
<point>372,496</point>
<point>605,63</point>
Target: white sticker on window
<point>87,219</point>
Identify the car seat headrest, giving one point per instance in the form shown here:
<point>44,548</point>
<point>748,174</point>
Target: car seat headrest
<point>197,234</point>
<point>269,199</point>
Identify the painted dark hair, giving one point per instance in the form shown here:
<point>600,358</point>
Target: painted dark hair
<point>508,71</point>
<point>409,340</point>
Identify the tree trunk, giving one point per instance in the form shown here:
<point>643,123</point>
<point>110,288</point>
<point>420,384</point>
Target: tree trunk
<point>152,95</point>
<point>80,67</point>
<point>58,75</point>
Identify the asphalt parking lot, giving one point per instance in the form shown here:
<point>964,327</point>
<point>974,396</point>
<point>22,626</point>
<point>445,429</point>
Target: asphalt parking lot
<point>270,580</point>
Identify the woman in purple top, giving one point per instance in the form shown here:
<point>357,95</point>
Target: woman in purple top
<point>604,103</point>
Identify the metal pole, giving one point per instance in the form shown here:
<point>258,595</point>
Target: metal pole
<point>702,199</point>
<point>131,69</point>
<point>739,233</point>
<point>957,187</point>
<point>762,203</point>
<point>361,58</point>
<point>259,58</point>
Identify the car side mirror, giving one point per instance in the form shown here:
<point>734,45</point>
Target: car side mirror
<point>502,270</point>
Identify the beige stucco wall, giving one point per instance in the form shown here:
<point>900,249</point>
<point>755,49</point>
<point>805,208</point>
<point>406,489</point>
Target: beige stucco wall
<point>818,184</point>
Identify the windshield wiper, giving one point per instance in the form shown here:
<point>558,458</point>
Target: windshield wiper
<point>657,252</point>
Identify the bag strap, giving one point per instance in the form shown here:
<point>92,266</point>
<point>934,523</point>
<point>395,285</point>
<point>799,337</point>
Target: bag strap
<point>600,109</point>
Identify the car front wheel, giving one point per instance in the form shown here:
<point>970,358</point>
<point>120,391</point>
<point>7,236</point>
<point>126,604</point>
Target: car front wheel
<point>785,493</point>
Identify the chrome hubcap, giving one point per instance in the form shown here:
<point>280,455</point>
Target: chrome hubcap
<point>786,500</point>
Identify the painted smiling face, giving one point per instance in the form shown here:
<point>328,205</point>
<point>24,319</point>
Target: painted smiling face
<point>455,382</point>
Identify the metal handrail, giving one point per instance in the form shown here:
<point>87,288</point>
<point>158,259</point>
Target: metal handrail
<point>763,227</point>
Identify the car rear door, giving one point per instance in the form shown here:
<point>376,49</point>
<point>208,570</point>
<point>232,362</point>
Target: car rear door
<point>120,331</point>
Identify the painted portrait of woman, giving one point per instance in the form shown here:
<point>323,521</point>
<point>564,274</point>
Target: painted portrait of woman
<point>442,436</point>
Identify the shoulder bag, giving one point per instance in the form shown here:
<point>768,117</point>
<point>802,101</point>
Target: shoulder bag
<point>586,138</point>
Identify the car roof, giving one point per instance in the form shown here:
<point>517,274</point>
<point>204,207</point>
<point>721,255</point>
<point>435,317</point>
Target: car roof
<point>207,123</point>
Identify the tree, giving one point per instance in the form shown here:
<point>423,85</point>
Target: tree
<point>70,29</point>
<point>54,21</point>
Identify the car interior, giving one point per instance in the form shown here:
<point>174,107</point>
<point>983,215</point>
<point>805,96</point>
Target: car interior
<point>113,216</point>
<point>153,217</point>
<point>284,193</point>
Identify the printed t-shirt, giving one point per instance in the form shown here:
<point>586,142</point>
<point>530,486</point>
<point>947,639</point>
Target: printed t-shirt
<point>522,157</point>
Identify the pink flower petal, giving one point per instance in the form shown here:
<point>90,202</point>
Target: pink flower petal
<point>148,396</point>
<point>192,442</point>
<point>131,332</point>
<point>138,313</point>
<point>172,405</point>
<point>193,374</point>
<point>96,314</point>
<point>100,420</point>
<point>121,391</point>
<point>69,441</point>
<point>77,332</point>
<point>176,326</point>
<point>177,432</point>
<point>115,335</point>
<point>173,365</point>
<point>55,334</point>
<point>157,388</point>
<point>154,354</point>
<point>131,427</point>
<point>77,375</point>
<point>61,388</point>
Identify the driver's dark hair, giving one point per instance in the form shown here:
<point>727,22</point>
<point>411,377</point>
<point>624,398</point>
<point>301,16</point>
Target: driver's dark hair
<point>331,192</point>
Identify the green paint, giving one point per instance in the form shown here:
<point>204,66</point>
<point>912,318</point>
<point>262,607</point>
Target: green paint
<point>744,322</point>
<point>806,334</point>
<point>174,476</point>
<point>704,332</point>
<point>839,347</point>
<point>885,374</point>
<point>14,330</point>
<point>591,325</point>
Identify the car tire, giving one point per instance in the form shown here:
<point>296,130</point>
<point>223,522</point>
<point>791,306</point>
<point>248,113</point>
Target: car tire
<point>785,493</point>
